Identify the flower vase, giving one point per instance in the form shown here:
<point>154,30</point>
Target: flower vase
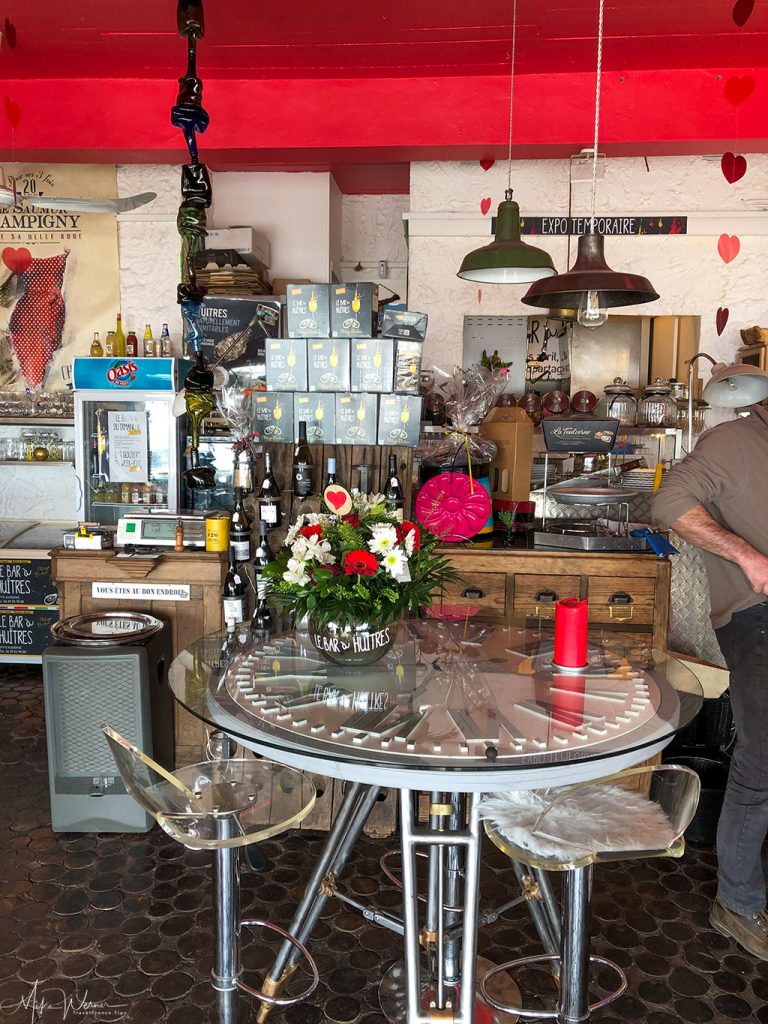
<point>359,643</point>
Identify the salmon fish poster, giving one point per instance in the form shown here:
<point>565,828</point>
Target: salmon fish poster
<point>59,275</point>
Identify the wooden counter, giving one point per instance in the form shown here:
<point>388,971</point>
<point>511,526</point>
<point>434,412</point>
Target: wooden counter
<point>75,572</point>
<point>628,592</point>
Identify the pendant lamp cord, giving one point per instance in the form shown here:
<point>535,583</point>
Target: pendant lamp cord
<point>598,78</point>
<point>512,94</point>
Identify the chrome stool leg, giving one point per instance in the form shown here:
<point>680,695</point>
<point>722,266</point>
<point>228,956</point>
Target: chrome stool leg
<point>573,1003</point>
<point>227,967</point>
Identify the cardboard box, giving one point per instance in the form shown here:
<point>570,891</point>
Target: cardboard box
<point>511,430</point>
<point>234,330</point>
<point>399,420</point>
<point>407,366</point>
<point>306,311</point>
<point>372,365</point>
<point>245,240</point>
<point>328,364</point>
<point>318,411</point>
<point>273,416</point>
<point>354,309</point>
<point>356,418</point>
<point>280,284</point>
<point>286,368</point>
<point>402,323</point>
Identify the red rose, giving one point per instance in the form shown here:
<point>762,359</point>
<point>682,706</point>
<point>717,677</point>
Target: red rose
<point>311,531</point>
<point>360,562</point>
<point>353,519</point>
<point>407,527</point>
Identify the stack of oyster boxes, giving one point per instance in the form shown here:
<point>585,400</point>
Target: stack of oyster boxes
<point>333,370</point>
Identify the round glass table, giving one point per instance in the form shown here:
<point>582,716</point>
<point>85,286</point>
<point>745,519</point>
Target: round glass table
<point>456,709</point>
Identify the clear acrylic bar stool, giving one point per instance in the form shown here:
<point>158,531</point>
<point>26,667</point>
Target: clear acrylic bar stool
<point>571,829</point>
<point>222,805</point>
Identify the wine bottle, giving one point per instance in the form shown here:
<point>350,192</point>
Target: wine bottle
<point>119,338</point>
<point>96,346</point>
<point>240,530</point>
<point>262,616</point>
<point>394,499</point>
<point>261,560</point>
<point>330,477</point>
<point>303,468</point>
<point>233,595</point>
<point>269,495</point>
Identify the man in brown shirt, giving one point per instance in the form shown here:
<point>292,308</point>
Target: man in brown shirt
<point>717,499</point>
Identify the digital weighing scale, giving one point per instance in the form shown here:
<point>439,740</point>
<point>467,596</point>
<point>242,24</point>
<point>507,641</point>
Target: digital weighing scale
<point>158,529</point>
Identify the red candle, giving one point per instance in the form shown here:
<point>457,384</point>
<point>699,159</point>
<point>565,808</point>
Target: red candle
<point>568,702</point>
<point>571,633</point>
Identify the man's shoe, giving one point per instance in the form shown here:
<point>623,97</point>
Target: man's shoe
<point>749,930</point>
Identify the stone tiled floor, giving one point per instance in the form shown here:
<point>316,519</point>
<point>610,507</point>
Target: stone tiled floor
<point>124,920</point>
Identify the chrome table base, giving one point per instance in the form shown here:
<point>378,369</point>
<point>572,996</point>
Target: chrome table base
<point>392,995</point>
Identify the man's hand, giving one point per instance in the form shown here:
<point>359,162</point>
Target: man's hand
<point>755,568</point>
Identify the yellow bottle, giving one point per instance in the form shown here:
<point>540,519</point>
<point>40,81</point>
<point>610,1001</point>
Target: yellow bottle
<point>149,343</point>
<point>119,337</point>
<point>96,346</point>
<point>109,345</point>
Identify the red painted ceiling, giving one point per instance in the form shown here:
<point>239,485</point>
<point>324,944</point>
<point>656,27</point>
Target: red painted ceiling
<point>365,87</point>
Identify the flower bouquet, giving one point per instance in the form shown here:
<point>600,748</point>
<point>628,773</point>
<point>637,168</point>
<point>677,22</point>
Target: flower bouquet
<point>354,575</point>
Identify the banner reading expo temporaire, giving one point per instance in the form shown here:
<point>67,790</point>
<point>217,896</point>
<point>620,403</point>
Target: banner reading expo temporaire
<point>59,275</point>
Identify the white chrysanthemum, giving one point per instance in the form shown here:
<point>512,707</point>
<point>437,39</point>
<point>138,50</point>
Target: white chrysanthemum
<point>290,537</point>
<point>296,572</point>
<point>393,561</point>
<point>408,542</point>
<point>383,538</point>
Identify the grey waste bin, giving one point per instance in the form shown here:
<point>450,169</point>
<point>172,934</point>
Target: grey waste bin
<point>105,667</point>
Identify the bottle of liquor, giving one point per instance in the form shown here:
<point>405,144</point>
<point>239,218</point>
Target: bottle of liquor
<point>330,476</point>
<point>269,495</point>
<point>149,342</point>
<point>96,346</point>
<point>119,337</point>
<point>261,560</point>
<point>131,345</point>
<point>233,594</point>
<point>240,530</point>
<point>109,344</point>
<point>393,493</point>
<point>303,467</point>
<point>165,343</point>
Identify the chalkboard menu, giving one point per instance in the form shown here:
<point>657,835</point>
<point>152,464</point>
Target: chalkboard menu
<point>25,632</point>
<point>26,581</point>
<point>28,608</point>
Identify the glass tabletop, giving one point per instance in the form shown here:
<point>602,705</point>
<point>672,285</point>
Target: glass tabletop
<point>464,695</point>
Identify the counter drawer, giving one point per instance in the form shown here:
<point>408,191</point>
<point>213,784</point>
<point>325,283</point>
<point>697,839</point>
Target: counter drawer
<point>630,599</point>
<point>486,590</point>
<point>535,596</point>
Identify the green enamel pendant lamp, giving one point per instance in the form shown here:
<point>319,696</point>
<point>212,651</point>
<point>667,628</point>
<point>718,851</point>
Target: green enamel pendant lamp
<point>590,287</point>
<point>507,259</point>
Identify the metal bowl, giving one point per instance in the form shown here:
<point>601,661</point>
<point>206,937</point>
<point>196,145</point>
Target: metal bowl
<point>105,629</point>
<point>591,495</point>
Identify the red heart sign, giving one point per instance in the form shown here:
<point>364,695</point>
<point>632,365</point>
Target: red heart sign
<point>485,205</point>
<point>742,11</point>
<point>728,246</point>
<point>9,31</point>
<point>739,89</point>
<point>487,163</point>
<point>733,167</point>
<point>721,319</point>
<point>12,112</point>
<point>337,499</point>
<point>17,260</point>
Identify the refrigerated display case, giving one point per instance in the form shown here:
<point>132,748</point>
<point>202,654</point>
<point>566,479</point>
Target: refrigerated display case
<point>128,442</point>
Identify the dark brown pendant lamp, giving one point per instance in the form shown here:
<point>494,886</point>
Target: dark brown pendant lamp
<point>507,259</point>
<point>590,287</point>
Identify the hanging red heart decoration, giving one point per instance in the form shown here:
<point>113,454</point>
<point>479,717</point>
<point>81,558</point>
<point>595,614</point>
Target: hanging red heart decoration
<point>739,89</point>
<point>721,319</point>
<point>17,260</point>
<point>9,32</point>
<point>485,205</point>
<point>728,246</point>
<point>742,11</point>
<point>12,112</point>
<point>487,163</point>
<point>733,167</point>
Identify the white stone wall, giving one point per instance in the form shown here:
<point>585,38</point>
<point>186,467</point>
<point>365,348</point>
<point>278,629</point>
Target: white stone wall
<point>686,270</point>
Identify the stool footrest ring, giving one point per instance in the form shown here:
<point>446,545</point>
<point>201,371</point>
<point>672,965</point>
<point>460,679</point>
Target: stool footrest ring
<point>550,1014</point>
<point>277,1000</point>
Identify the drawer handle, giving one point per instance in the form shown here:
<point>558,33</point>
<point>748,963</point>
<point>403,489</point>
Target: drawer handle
<point>547,598</point>
<point>620,606</point>
<point>473,592</point>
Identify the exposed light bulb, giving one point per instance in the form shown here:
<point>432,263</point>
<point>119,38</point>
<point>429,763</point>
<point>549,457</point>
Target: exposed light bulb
<point>591,313</point>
